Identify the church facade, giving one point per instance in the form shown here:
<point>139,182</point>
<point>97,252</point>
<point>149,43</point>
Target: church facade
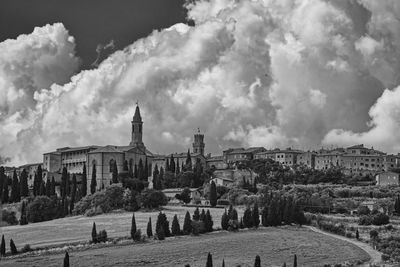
<point>101,159</point>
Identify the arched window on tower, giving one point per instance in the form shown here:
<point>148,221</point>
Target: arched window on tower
<point>133,128</point>
<point>140,128</point>
<point>111,165</point>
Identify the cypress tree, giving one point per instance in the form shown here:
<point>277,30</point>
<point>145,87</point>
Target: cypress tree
<point>188,161</point>
<point>53,187</point>
<point>3,246</point>
<point>146,170</point>
<point>48,187</point>
<point>5,196</point>
<point>167,165</point>
<point>162,224</point>
<point>66,259</point>
<point>39,179</point>
<point>209,260</point>
<point>187,224</point>
<point>133,226</point>
<point>172,164</point>
<point>225,221</point>
<point>3,178</point>
<point>125,167</point>
<point>68,186</point>
<point>295,261</point>
<point>234,215</point>
<point>13,248</point>
<point>284,264</point>
<point>93,182</point>
<point>141,170</point>
<point>255,215</point>
<point>202,215</point>
<point>35,184</point>
<point>64,176</point>
<point>84,181</point>
<point>213,194</point>
<point>196,214</point>
<point>264,216</point>
<point>175,228</point>
<point>209,222</point>
<point>15,188</point>
<point>94,233</point>
<point>149,229</point>
<point>223,262</point>
<point>257,262</point>
<point>115,173</point>
<point>42,188</point>
<point>135,174</point>
<point>241,225</point>
<point>357,235</point>
<point>247,218</point>
<point>24,190</point>
<point>73,193</point>
<point>23,219</point>
<point>177,168</point>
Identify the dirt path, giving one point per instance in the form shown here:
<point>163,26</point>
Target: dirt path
<point>374,254</point>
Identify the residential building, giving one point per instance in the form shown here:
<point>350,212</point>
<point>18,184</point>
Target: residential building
<point>387,178</point>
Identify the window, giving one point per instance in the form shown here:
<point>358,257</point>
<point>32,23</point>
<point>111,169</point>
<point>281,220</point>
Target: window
<point>133,128</point>
<point>140,128</point>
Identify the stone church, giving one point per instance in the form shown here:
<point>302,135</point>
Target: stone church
<point>101,158</point>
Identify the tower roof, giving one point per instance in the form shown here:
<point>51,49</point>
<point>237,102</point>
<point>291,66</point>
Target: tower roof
<point>137,117</point>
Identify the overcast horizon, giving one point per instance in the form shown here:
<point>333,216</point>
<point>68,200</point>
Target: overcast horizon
<point>302,74</point>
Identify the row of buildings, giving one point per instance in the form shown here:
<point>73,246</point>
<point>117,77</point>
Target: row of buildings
<point>101,159</point>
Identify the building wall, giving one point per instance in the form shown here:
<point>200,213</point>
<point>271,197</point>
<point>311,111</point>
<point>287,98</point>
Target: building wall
<point>306,159</point>
<point>52,162</point>
<point>387,178</point>
<point>326,161</point>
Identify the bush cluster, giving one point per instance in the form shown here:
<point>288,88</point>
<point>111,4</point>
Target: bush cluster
<point>375,219</point>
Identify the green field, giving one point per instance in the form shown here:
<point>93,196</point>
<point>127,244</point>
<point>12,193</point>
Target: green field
<point>274,245</point>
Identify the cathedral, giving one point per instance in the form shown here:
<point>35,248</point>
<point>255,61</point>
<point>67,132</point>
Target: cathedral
<point>101,159</point>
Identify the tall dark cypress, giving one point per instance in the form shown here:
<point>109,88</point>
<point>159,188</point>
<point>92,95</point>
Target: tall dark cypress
<point>141,170</point>
<point>5,195</point>
<point>115,173</point>
<point>187,224</point>
<point>24,190</point>
<point>149,229</point>
<point>175,227</point>
<point>39,179</point>
<point>255,215</point>
<point>223,262</point>
<point>135,174</point>
<point>73,193</point>
<point>68,185</point>
<point>146,171</point>
<point>257,262</point>
<point>209,260</point>
<point>94,233</point>
<point>209,222</point>
<point>172,164</point>
<point>3,179</point>
<point>64,176</point>
<point>188,161</point>
<point>196,214</point>
<point>23,219</point>
<point>93,182</point>
<point>48,187</point>
<point>213,194</point>
<point>66,259</point>
<point>53,187</point>
<point>42,190</point>
<point>177,168</point>
<point>84,181</point>
<point>15,188</point>
<point>3,246</point>
<point>13,248</point>
<point>295,261</point>
<point>133,226</point>
<point>167,165</point>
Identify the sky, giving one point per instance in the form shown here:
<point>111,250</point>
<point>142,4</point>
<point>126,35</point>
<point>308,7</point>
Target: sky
<point>273,73</point>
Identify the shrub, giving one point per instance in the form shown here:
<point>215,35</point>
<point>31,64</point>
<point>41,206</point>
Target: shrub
<point>115,194</point>
<point>102,236</point>
<point>41,209</point>
<point>233,225</point>
<point>138,235</point>
<point>9,217</point>
<point>131,200</point>
<point>365,220</point>
<point>373,234</point>
<point>184,196</point>
<point>385,257</point>
<point>380,219</point>
<point>349,235</point>
<point>363,210</point>
<point>26,248</point>
<point>153,199</point>
<point>197,227</point>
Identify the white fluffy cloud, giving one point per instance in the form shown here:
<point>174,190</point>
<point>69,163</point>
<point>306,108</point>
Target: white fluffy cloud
<point>267,73</point>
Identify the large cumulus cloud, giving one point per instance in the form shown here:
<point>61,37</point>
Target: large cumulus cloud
<point>270,73</point>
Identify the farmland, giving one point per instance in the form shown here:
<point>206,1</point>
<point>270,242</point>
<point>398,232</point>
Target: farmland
<point>275,245</point>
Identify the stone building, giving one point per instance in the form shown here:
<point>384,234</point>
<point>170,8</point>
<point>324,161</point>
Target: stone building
<point>286,157</point>
<point>101,158</point>
<point>387,178</point>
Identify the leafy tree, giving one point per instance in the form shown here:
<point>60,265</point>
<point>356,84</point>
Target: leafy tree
<point>257,262</point>
<point>23,219</point>
<point>94,233</point>
<point>133,226</point>
<point>213,194</point>
<point>3,246</point>
<point>225,221</point>
<point>24,190</point>
<point>153,199</point>
<point>255,215</point>
<point>15,188</point>
<point>187,224</point>
<point>115,173</point>
<point>184,196</point>
<point>196,214</point>
<point>175,228</point>
<point>149,229</point>
<point>93,182</point>
<point>84,181</point>
<point>13,248</point>
<point>209,260</point>
<point>66,259</point>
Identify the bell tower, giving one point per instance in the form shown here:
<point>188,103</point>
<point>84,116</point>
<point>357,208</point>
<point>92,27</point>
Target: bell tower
<point>198,144</point>
<point>137,129</point>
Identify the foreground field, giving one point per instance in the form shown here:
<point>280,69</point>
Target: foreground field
<point>274,245</point>
<point>79,228</point>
